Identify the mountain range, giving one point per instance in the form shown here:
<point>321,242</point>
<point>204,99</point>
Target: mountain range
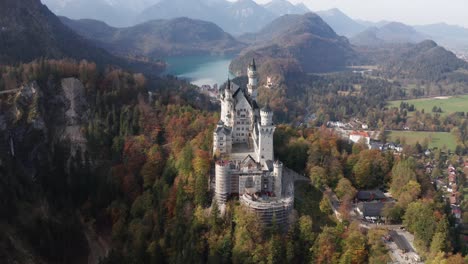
<point>234,17</point>
<point>375,33</point>
<point>157,39</point>
<point>246,16</point>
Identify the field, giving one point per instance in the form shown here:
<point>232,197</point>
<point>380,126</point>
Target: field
<point>447,104</point>
<point>436,139</point>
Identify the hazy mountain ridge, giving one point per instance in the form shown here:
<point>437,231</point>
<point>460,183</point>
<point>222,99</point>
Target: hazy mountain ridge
<point>159,38</point>
<point>390,33</point>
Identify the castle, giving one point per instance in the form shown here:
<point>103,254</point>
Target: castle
<point>243,144</point>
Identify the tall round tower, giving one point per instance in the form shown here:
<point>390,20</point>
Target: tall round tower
<point>222,181</point>
<point>278,176</point>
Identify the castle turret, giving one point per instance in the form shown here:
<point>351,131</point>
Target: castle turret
<point>253,80</point>
<point>266,130</point>
<point>266,116</point>
<point>278,178</point>
<point>222,139</point>
<point>227,105</point>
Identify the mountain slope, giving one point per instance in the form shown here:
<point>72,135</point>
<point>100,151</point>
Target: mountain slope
<point>158,38</point>
<point>390,33</point>
<point>297,43</point>
<point>115,12</point>
<point>341,23</point>
<point>29,30</point>
<point>284,7</point>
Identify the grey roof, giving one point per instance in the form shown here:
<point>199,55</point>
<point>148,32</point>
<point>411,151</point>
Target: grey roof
<point>369,195</point>
<point>224,130</point>
<point>371,209</point>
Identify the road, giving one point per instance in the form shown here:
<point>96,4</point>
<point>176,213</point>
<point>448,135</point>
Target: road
<point>10,91</point>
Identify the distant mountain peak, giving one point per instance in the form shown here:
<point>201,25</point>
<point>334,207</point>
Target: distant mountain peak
<point>340,22</point>
<point>284,7</point>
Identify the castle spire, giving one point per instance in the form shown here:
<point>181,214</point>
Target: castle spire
<point>253,65</point>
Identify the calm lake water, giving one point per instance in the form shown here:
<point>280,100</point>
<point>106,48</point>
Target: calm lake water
<point>200,70</point>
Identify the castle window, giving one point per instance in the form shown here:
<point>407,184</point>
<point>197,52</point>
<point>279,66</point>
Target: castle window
<point>238,122</point>
<point>221,138</point>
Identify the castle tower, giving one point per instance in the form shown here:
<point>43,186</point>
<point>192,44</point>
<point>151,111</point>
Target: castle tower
<point>266,130</point>
<point>253,80</point>
<point>223,181</point>
<point>278,178</point>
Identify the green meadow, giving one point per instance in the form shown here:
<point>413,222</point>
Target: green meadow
<point>447,104</point>
<point>435,139</point>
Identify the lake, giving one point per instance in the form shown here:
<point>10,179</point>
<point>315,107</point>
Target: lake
<point>200,70</point>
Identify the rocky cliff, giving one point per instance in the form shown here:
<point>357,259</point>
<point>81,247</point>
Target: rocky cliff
<point>40,132</point>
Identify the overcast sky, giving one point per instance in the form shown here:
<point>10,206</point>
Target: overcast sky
<point>412,12</point>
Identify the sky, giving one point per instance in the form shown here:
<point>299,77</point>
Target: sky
<point>414,12</point>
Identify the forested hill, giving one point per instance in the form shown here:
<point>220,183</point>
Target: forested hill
<point>157,39</point>
<point>297,43</point>
<point>426,61</point>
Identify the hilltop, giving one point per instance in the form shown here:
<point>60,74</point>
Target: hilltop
<point>297,43</point>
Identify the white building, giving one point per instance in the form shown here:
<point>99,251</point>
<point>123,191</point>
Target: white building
<point>243,145</point>
<point>360,137</point>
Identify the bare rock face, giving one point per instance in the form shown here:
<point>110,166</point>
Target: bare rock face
<point>76,111</point>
